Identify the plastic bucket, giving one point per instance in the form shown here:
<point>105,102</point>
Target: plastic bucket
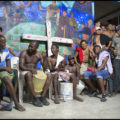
<point>39,80</point>
<point>66,91</point>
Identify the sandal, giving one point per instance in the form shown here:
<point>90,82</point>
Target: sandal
<point>19,107</point>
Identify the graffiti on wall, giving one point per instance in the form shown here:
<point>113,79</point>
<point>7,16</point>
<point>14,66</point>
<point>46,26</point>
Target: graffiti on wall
<point>68,20</point>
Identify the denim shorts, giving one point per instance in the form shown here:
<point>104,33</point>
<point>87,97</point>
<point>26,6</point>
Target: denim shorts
<point>103,74</point>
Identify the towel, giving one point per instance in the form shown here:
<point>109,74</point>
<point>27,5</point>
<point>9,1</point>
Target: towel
<point>80,52</point>
<point>59,59</point>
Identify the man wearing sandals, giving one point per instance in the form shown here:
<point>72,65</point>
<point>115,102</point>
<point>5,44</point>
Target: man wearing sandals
<point>6,73</point>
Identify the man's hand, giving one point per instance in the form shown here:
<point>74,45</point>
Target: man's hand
<point>34,71</point>
<point>9,70</point>
<point>96,70</point>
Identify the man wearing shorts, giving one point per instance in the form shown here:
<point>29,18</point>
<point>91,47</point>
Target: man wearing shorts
<point>6,73</point>
<point>102,72</point>
<point>28,66</point>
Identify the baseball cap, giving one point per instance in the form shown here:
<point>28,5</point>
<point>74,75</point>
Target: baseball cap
<point>98,28</point>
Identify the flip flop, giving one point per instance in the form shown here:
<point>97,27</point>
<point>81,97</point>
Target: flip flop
<point>20,108</point>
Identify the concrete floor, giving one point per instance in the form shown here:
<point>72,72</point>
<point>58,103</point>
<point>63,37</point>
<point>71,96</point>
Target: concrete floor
<point>90,108</point>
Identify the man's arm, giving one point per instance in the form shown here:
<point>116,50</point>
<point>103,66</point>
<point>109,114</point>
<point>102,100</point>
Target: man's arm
<point>50,65</point>
<point>75,57</point>
<point>92,52</point>
<point>22,62</point>
<point>8,67</point>
<point>104,62</point>
<point>78,72</point>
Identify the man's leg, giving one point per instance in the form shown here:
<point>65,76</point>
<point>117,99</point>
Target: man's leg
<point>103,74</point>
<point>55,85</point>
<point>45,88</point>
<point>74,81</point>
<point>28,78</point>
<point>88,81</point>
<point>11,90</point>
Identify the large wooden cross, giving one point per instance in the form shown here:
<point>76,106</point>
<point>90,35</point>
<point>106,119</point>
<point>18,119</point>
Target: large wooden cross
<point>47,38</point>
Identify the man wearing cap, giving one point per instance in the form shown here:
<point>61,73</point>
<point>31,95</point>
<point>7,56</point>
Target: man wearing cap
<point>102,72</point>
<point>101,39</point>
<point>116,45</point>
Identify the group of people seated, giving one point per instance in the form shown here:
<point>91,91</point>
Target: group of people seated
<point>90,64</point>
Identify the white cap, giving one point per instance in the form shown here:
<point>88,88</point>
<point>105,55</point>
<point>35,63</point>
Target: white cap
<point>97,28</point>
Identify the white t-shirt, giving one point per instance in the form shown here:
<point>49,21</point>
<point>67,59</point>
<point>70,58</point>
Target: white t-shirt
<point>102,56</point>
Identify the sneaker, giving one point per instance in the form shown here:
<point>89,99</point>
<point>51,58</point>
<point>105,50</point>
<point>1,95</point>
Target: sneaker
<point>37,102</point>
<point>103,99</point>
<point>44,101</point>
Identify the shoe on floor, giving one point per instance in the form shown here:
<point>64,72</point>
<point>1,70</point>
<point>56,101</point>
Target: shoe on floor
<point>44,101</point>
<point>103,99</point>
<point>37,102</point>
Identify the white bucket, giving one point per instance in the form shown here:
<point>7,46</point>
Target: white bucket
<point>80,87</point>
<point>66,91</point>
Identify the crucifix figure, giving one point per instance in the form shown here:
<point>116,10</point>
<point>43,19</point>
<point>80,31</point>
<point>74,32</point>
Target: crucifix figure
<point>47,38</point>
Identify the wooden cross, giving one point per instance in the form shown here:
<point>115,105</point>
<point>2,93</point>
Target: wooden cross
<point>47,38</point>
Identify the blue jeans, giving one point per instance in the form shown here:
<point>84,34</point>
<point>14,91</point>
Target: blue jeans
<point>103,74</point>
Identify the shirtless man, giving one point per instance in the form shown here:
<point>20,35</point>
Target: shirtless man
<point>52,61</point>
<point>74,70</point>
<point>108,31</point>
<point>28,63</point>
<point>101,39</point>
<point>56,71</point>
<point>86,52</point>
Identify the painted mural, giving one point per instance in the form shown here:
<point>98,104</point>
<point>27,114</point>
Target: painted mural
<point>68,19</point>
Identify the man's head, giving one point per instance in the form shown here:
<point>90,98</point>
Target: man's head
<point>98,30</point>
<point>64,13</point>
<point>71,59</point>
<point>113,27</point>
<point>32,48</point>
<point>109,27</point>
<point>97,49</point>
<point>83,44</point>
<point>54,3</point>
<point>54,49</point>
<point>44,54</point>
<point>2,42</point>
<point>98,24</point>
